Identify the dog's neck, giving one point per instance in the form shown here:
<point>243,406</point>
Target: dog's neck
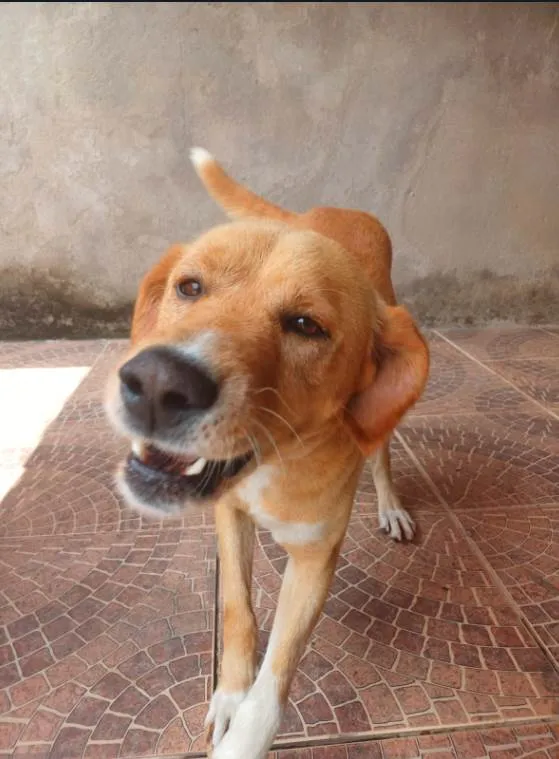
<point>314,467</point>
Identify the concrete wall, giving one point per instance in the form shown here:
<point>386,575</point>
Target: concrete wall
<point>441,118</point>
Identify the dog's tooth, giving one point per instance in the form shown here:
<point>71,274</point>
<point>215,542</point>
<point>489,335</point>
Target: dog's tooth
<point>195,468</point>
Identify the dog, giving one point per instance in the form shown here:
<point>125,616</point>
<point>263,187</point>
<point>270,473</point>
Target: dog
<point>268,359</point>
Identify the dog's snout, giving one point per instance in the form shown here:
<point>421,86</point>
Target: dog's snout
<point>160,388</point>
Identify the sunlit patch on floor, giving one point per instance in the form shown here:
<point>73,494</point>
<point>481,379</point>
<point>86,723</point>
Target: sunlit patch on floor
<point>30,399</point>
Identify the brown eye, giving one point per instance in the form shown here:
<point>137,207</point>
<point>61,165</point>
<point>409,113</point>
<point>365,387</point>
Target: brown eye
<point>304,326</point>
<point>189,288</point>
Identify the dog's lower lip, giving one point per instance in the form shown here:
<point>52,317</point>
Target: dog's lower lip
<point>195,471</point>
<point>153,457</point>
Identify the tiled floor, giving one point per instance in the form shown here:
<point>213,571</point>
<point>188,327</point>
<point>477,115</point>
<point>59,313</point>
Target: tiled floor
<point>448,647</point>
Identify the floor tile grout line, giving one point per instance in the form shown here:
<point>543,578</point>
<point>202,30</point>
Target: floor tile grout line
<point>517,506</point>
<point>394,734</point>
<point>398,733</point>
<point>419,466</point>
<point>453,413</point>
<point>547,329</point>
<point>526,359</point>
<point>499,584</point>
<point>464,511</point>
<point>93,533</point>
<point>496,374</point>
<point>462,414</point>
<point>216,630</point>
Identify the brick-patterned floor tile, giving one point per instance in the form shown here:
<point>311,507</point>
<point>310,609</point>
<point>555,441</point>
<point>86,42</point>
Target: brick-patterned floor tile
<point>50,353</point>
<point>459,385</point>
<point>86,404</point>
<point>537,741</point>
<point>539,378</point>
<point>490,460</point>
<point>415,493</point>
<point>68,487</point>
<point>106,621</point>
<point>112,635</point>
<point>413,635</point>
<point>522,545</point>
<point>499,343</point>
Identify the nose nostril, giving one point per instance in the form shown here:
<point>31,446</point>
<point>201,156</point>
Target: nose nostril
<point>174,401</point>
<point>133,385</point>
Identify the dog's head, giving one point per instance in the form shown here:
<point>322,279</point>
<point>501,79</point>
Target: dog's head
<point>253,342</point>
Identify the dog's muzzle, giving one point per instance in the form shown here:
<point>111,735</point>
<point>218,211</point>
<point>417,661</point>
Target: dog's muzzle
<point>163,393</point>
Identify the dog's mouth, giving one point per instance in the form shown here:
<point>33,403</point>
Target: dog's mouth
<point>163,481</point>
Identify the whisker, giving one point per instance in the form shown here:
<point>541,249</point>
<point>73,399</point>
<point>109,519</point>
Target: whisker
<point>255,449</point>
<point>271,439</point>
<point>206,478</point>
<point>231,450</point>
<point>276,392</point>
<point>281,418</point>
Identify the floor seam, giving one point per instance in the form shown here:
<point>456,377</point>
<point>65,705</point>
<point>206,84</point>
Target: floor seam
<point>387,734</point>
<point>511,507</point>
<point>499,585</point>
<point>216,630</point>
<point>343,739</point>
<point>548,330</point>
<point>462,414</point>
<point>496,374</point>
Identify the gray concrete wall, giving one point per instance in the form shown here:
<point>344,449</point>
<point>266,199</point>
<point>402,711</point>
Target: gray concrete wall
<point>443,119</point>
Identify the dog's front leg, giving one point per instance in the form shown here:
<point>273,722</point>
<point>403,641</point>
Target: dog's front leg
<point>303,592</point>
<point>236,545</point>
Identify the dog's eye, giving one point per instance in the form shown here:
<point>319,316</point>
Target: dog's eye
<point>304,326</point>
<point>189,288</point>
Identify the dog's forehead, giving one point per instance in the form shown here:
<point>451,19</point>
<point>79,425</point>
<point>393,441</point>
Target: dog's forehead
<point>271,250</point>
<point>252,239</point>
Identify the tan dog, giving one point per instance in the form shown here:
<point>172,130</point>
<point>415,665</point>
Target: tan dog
<point>267,360</point>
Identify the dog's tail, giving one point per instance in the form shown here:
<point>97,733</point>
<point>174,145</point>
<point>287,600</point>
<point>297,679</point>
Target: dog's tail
<point>238,201</point>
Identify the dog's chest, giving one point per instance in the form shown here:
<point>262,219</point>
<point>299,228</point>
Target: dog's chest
<point>257,492</point>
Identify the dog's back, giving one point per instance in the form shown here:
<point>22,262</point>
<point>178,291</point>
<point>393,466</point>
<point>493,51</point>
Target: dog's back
<point>361,234</point>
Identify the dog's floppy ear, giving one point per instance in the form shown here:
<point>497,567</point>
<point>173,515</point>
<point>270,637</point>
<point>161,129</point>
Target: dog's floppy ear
<point>150,294</point>
<point>393,378</point>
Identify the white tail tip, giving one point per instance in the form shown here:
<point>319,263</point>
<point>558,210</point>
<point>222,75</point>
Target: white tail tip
<point>200,156</point>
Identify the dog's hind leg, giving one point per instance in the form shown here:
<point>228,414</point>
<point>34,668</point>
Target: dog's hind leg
<point>392,517</point>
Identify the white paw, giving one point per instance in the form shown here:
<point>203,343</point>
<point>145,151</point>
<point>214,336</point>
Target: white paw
<point>223,708</point>
<point>397,523</point>
<point>252,731</point>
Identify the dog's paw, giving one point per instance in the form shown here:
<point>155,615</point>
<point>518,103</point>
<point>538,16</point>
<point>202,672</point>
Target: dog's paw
<point>223,707</point>
<point>252,730</point>
<point>397,523</point>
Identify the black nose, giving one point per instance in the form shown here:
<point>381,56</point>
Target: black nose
<point>161,388</point>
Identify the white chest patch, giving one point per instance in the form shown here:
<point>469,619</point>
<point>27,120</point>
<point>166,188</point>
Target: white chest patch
<point>296,533</point>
